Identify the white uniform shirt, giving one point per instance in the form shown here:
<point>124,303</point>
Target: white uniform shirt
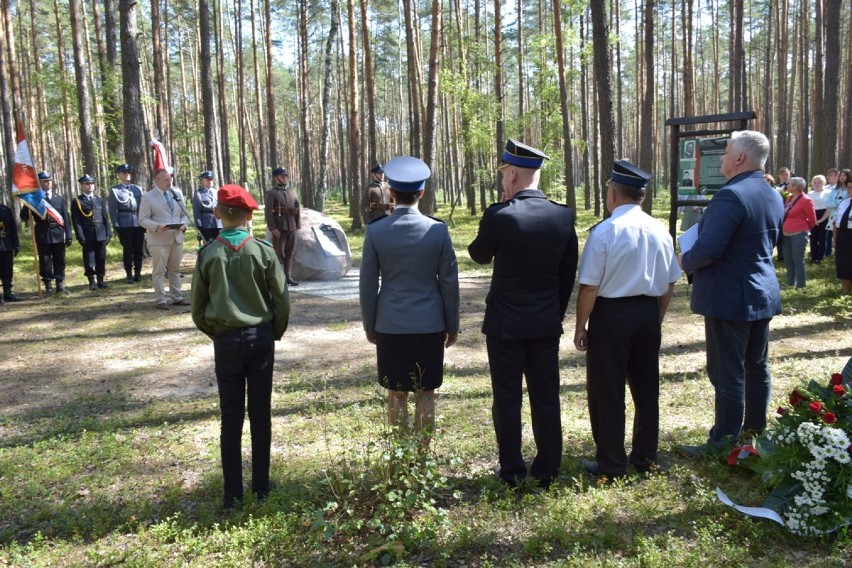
<point>841,209</point>
<point>629,254</point>
<point>819,198</point>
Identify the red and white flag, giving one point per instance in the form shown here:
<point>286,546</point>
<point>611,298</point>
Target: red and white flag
<point>24,178</point>
<point>161,159</point>
<point>25,184</point>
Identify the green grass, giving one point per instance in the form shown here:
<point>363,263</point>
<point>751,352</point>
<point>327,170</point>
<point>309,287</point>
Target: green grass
<point>105,460</point>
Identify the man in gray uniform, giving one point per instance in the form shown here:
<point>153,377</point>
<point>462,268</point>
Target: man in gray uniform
<point>124,200</point>
<point>203,204</point>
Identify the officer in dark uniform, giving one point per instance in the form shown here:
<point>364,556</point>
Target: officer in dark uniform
<point>534,248</point>
<point>124,200</point>
<point>283,218</point>
<point>9,248</point>
<point>52,238</point>
<point>203,204</point>
<point>92,227</point>
<point>377,200</point>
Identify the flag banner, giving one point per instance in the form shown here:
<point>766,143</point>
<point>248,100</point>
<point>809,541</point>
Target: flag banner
<point>25,184</point>
<point>161,159</point>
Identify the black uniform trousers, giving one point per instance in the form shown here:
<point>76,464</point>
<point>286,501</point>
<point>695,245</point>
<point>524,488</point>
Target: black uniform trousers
<point>132,241</point>
<point>624,345</point>
<point>51,260</point>
<point>6,270</point>
<point>538,360</point>
<point>94,259</point>
<point>209,234</point>
<point>244,360</point>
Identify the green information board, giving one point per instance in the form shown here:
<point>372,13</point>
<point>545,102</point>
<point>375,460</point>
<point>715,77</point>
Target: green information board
<point>710,179</point>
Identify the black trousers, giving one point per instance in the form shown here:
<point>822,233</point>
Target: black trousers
<point>244,362</point>
<point>51,260</point>
<point>6,270</point>
<point>538,360</point>
<point>132,242</point>
<point>209,234</point>
<point>94,259</point>
<point>624,346</point>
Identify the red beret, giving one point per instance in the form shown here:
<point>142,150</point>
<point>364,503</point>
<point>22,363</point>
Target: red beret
<point>236,196</point>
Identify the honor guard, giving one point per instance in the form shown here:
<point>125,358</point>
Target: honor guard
<point>52,236</point>
<point>124,200</point>
<point>203,204</point>
<point>377,200</point>
<point>92,227</point>
<point>9,247</point>
<point>283,219</point>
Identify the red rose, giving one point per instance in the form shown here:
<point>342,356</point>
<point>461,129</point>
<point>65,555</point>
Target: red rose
<point>829,418</point>
<point>836,379</point>
<point>782,411</point>
<point>796,398</point>
<point>839,390</point>
<point>815,407</point>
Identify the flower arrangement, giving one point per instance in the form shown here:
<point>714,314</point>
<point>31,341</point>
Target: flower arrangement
<point>805,458</point>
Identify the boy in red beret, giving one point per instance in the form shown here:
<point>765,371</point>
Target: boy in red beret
<point>240,300</point>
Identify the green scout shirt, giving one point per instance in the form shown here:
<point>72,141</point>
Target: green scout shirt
<point>238,282</point>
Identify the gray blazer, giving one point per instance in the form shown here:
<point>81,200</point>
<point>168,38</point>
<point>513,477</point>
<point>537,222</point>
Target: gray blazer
<point>414,257</point>
<point>153,211</point>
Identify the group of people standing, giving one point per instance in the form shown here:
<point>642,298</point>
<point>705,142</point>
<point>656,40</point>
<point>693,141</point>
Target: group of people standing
<point>409,297</point>
<point>815,218</point>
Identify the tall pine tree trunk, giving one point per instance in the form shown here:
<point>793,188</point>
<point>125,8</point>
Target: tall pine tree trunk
<point>322,185</point>
<point>131,81</point>
<point>603,81</point>
<point>87,144</point>
<point>428,203</point>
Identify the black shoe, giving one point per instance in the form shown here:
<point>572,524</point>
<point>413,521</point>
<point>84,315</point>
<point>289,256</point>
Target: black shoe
<point>102,284</point>
<point>129,279</point>
<point>60,287</point>
<point>230,501</point>
<point>48,290</point>
<point>136,278</point>
<point>591,467</point>
<point>92,285</point>
<point>291,282</point>
<point>264,493</point>
<point>10,297</point>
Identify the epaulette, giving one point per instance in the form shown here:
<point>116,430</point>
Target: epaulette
<point>378,219</point>
<point>560,204</point>
<point>592,228</point>
<point>437,219</point>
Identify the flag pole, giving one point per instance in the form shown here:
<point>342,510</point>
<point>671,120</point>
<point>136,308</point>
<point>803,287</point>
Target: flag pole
<point>35,257</point>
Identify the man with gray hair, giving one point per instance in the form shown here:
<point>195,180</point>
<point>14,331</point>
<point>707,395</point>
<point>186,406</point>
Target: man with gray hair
<point>736,289</point>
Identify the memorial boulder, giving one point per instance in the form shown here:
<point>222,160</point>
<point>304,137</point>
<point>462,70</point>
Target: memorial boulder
<point>322,249</point>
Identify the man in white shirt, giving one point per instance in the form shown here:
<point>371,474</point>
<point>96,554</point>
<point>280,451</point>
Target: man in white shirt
<point>627,275</point>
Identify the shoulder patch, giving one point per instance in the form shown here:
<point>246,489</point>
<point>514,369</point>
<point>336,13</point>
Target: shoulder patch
<point>437,219</point>
<point>560,204</point>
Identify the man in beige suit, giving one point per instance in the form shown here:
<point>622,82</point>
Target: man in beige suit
<point>163,215</point>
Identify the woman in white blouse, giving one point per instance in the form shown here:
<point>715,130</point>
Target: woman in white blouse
<point>818,195</point>
<point>843,239</point>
